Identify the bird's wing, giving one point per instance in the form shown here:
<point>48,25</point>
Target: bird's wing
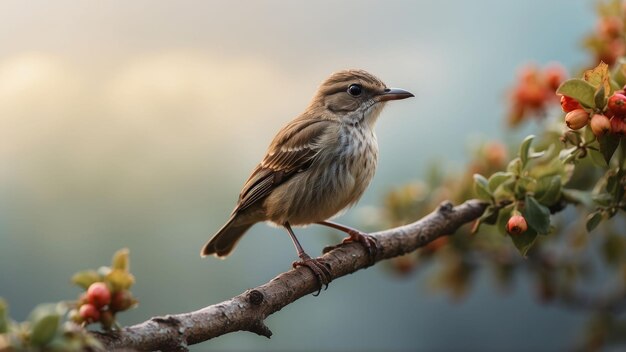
<point>292,151</point>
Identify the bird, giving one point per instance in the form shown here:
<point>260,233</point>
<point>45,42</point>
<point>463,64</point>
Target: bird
<point>317,165</point>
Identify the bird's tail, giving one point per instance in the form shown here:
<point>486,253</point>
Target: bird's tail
<point>223,242</point>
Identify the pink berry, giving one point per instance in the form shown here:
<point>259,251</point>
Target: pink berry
<point>600,124</point>
<point>516,225</point>
<point>99,294</point>
<point>89,313</point>
<point>577,119</point>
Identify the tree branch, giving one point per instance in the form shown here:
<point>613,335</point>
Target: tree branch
<point>247,311</point>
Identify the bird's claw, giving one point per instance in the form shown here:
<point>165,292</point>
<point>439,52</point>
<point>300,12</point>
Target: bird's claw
<point>321,272</point>
<point>368,241</point>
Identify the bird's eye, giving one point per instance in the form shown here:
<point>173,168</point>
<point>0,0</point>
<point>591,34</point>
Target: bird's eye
<point>355,90</point>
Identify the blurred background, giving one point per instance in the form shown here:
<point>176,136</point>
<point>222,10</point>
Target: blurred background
<point>134,124</point>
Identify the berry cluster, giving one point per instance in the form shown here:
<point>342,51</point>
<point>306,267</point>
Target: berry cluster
<point>107,292</point>
<point>534,91</point>
<point>100,304</point>
<point>609,119</point>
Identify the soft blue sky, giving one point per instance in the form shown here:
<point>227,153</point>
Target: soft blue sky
<point>135,124</point>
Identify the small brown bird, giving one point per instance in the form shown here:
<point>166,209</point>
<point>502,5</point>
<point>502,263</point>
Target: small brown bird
<point>317,165</point>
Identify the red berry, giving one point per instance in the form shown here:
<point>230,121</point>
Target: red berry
<point>610,27</point>
<point>600,124</point>
<point>554,76</point>
<point>618,126</point>
<point>617,104</point>
<point>99,294</point>
<point>89,313</point>
<point>532,95</point>
<point>516,225</point>
<point>121,301</point>
<point>495,153</point>
<point>577,119</point>
<point>568,104</point>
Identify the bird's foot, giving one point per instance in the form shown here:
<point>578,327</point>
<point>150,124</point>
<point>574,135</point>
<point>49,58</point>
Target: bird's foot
<point>323,275</point>
<point>368,241</point>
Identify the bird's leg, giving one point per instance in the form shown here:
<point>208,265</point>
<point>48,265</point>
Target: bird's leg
<point>320,270</point>
<point>369,242</point>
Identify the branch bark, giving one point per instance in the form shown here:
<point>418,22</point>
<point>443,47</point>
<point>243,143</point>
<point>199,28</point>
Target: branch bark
<point>247,311</point>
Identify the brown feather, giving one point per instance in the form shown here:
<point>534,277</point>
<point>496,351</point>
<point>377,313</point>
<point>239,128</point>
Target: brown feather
<point>292,151</point>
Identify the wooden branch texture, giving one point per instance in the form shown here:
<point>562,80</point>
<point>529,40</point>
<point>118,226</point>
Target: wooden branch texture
<point>247,311</point>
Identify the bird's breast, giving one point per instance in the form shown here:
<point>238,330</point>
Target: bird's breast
<point>359,156</point>
<point>338,177</point>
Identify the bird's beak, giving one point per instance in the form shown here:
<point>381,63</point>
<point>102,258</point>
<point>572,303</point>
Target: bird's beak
<point>394,94</point>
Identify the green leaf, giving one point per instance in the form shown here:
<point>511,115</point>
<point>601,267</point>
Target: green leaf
<point>548,189</point>
<point>120,260</point>
<point>614,86</point>
<point>608,145</point>
<point>525,241</point>
<point>573,137</point>
<point>580,90</point>
<point>4,316</point>
<point>490,216</point>
<point>525,149</point>
<point>85,278</point>
<point>537,215</point>
<point>597,158</point>
<point>593,220</point>
<point>588,135</point>
<point>119,280</point>
<point>567,155</point>
<point>497,179</point>
<point>481,188</point>
<point>613,178</point>
<point>515,167</point>
<point>598,77</point>
<point>600,98</point>
<point>505,191</point>
<point>575,196</point>
<point>603,199</point>
<point>45,320</point>
<point>618,74</point>
<point>503,217</point>
<point>524,185</point>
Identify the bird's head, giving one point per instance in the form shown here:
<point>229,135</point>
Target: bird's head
<point>354,96</point>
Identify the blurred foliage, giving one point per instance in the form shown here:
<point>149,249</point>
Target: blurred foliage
<point>557,201</point>
<point>107,293</point>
